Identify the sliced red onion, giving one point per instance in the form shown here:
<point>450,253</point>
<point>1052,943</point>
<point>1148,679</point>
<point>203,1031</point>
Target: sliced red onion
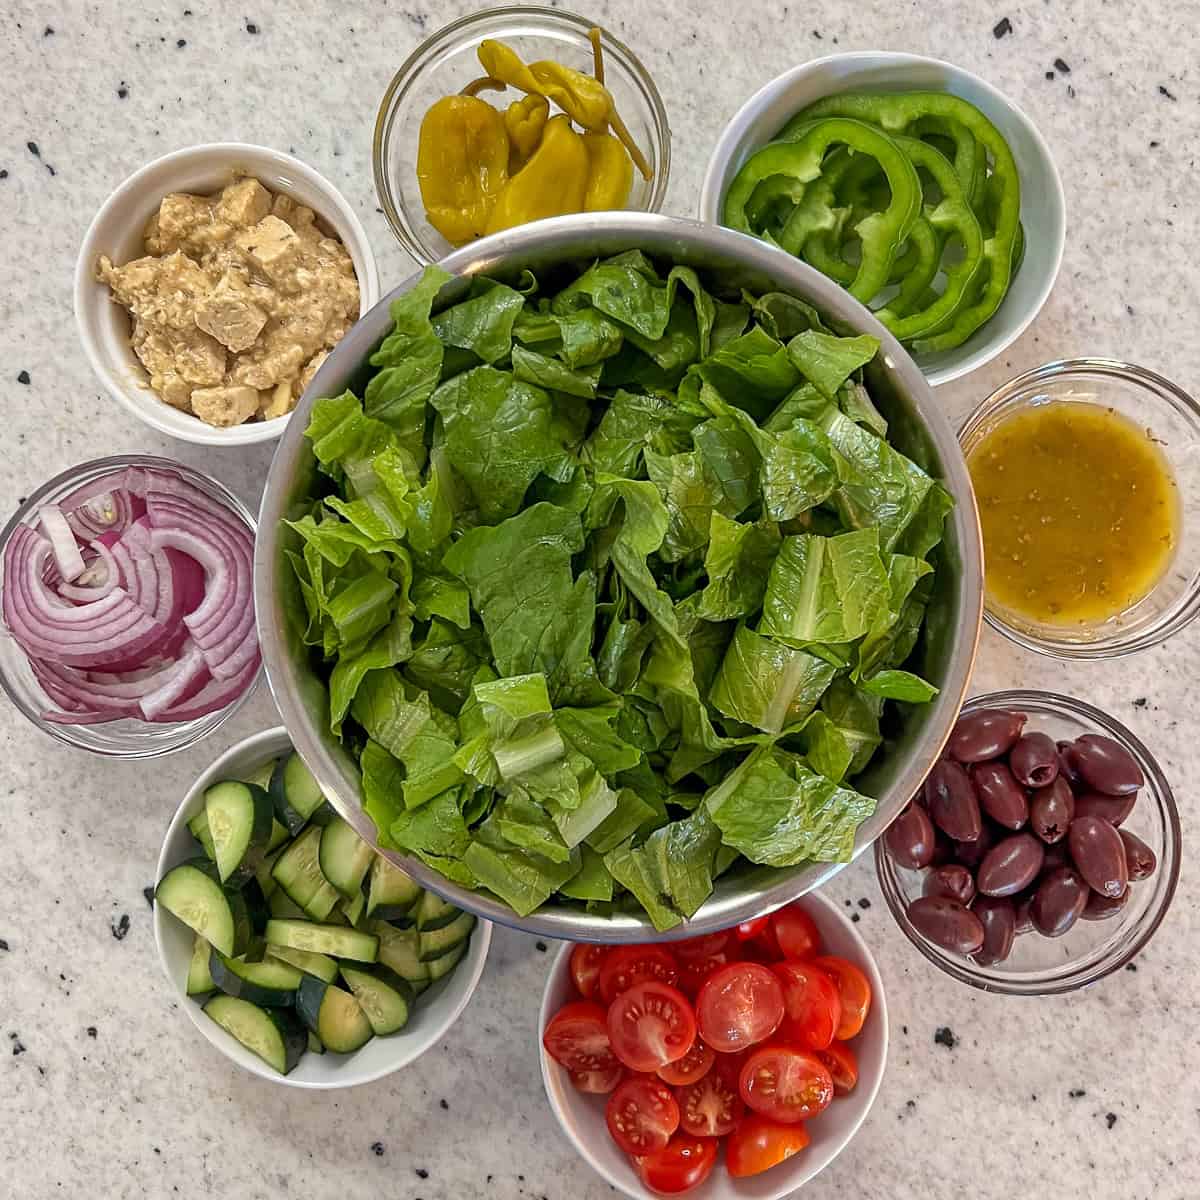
<point>67,557</point>
<point>109,512</point>
<point>215,694</point>
<point>99,577</point>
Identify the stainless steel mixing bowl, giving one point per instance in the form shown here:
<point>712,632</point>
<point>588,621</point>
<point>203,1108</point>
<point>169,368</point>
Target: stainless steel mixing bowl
<point>918,428</point>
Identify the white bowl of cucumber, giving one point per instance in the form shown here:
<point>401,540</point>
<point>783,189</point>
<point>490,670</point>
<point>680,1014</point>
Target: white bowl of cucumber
<point>300,953</point>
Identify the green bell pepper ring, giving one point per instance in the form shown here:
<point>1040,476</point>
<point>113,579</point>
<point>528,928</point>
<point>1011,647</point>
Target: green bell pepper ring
<point>881,233</point>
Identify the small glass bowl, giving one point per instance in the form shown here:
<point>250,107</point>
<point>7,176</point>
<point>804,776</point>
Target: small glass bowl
<point>445,63</point>
<point>1090,950</point>
<point>1172,419</point>
<point>125,738</point>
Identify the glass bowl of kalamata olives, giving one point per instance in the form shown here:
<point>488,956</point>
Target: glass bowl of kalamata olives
<point>1042,852</point>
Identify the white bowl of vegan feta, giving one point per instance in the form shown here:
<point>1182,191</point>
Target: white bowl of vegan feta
<point>213,283</point>
<point>128,613</point>
<point>622,578</point>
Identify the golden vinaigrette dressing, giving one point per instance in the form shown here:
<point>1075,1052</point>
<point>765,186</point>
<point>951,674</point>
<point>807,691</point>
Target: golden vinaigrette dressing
<point>1080,513</point>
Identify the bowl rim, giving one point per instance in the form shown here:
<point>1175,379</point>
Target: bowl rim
<point>1070,976</point>
<point>659,235</point>
<point>736,129</point>
<point>560,965</point>
<point>1149,383</point>
<point>393,209</point>
<point>86,297</point>
<point>265,743</point>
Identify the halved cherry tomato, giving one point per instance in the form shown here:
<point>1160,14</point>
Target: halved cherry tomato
<point>684,1163</point>
<point>785,1084</point>
<point>577,1037</point>
<point>598,1082</point>
<point>627,965</point>
<point>695,1064</point>
<point>739,1005</point>
<point>704,946</point>
<point>585,968</point>
<point>810,1002</point>
<point>650,1025</point>
<point>855,992</point>
<point>758,1144</point>
<point>729,1066</point>
<point>796,932</point>
<point>843,1066</point>
<point>694,971</point>
<point>751,929</point>
<point>710,1107</point>
<point>641,1115</point>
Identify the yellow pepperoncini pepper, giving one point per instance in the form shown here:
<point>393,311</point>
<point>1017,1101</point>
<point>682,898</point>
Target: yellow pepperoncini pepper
<point>610,173</point>
<point>551,183</point>
<point>525,120</point>
<point>462,165</point>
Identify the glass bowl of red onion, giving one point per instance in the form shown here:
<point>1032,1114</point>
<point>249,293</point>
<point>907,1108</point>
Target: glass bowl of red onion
<point>127,622</point>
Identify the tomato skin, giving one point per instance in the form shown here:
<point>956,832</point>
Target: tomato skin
<point>751,929</point>
<point>650,1025</point>
<point>796,932</point>
<point>729,1066</point>
<point>694,971</point>
<point>705,946</point>
<point>627,965</point>
<point>842,1065</point>
<point>586,960</point>
<point>785,1083</point>
<point>812,1006</point>
<point>684,1163</point>
<point>710,1107</point>
<point>854,989</point>
<point>739,1005</point>
<point>598,1082</point>
<point>758,1144</point>
<point>695,1064</point>
<point>641,1115</point>
<point>577,1037</point>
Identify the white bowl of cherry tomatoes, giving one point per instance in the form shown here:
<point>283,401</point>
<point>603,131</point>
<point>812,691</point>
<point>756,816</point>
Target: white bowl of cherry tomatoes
<point>731,1066</point>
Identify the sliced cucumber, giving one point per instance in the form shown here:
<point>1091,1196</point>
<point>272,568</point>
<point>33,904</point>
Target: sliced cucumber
<point>400,949</point>
<point>279,835</point>
<point>315,1044</point>
<point>284,907</point>
<point>352,910</point>
<point>191,893</point>
<point>275,1035</point>
<point>239,820</point>
<point>345,858</point>
<point>333,1015</point>
<point>432,912</point>
<point>391,893</point>
<point>382,995</point>
<point>324,939</point>
<point>436,942</point>
<point>324,903</point>
<point>320,965</point>
<point>419,985</point>
<point>297,796</point>
<point>261,775</point>
<point>198,826</point>
<point>270,983</point>
<point>439,968</point>
<point>263,875</point>
<point>199,978</point>
<point>298,868</point>
<point>257,908</point>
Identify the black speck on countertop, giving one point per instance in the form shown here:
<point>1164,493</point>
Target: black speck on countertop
<point>1070,92</point>
<point>863,902</point>
<point>1001,28</point>
<point>1075,1093</point>
<point>4,174</point>
<point>904,1030</point>
<point>48,31</point>
<point>251,27</point>
<point>1131,966</point>
<point>3,944</point>
<point>1162,91</point>
<point>19,1046</point>
<point>121,927</point>
<point>148,892</point>
<point>1141,701</point>
<point>1110,1119</point>
<point>910,1104</point>
<point>855,918</point>
<point>520,1178</point>
<point>33,149</point>
<point>377,1149</point>
<point>422,1173</point>
<point>1059,65</point>
<point>541,947</point>
<point>1049,74</point>
<point>23,377</point>
<point>123,90</point>
<point>945,1037</point>
<point>444,1105</point>
<point>91,1031</point>
<point>1153,146</point>
<point>181,43</point>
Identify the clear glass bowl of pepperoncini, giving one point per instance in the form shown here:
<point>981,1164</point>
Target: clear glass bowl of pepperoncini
<point>509,115</point>
<point>1087,477</point>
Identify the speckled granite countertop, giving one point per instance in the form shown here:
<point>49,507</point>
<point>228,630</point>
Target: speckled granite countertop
<point>105,1091</point>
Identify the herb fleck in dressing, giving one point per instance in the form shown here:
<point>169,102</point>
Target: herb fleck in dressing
<point>1080,513</point>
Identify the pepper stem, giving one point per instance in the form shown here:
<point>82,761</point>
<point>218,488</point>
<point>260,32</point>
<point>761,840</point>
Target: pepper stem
<point>626,140</point>
<point>485,83</point>
<point>597,53</point>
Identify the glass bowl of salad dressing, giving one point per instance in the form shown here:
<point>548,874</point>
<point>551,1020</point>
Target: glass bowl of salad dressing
<point>1087,477</point>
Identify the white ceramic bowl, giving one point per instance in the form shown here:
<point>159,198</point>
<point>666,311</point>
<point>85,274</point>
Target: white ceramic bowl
<point>433,1014</point>
<point>1043,206</point>
<point>116,231</point>
<point>582,1116</point>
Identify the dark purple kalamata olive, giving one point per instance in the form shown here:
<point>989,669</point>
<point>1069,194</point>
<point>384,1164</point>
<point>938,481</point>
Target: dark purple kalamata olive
<point>999,921</point>
<point>1139,858</point>
<point>1106,766</point>
<point>946,923</point>
<point>910,839</point>
<point>1113,809</point>
<point>943,849</point>
<point>1058,901</point>
<point>985,733</point>
<point>1067,767</point>
<point>1000,796</point>
<point>1099,855</point>
<point>952,881</point>
<point>1034,759</point>
<point>1100,908</point>
<point>971,853</point>
<point>1022,903</point>
<point>1051,811</point>
<point>1010,865</point>
<point>952,802</point>
<point>1056,856</point>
